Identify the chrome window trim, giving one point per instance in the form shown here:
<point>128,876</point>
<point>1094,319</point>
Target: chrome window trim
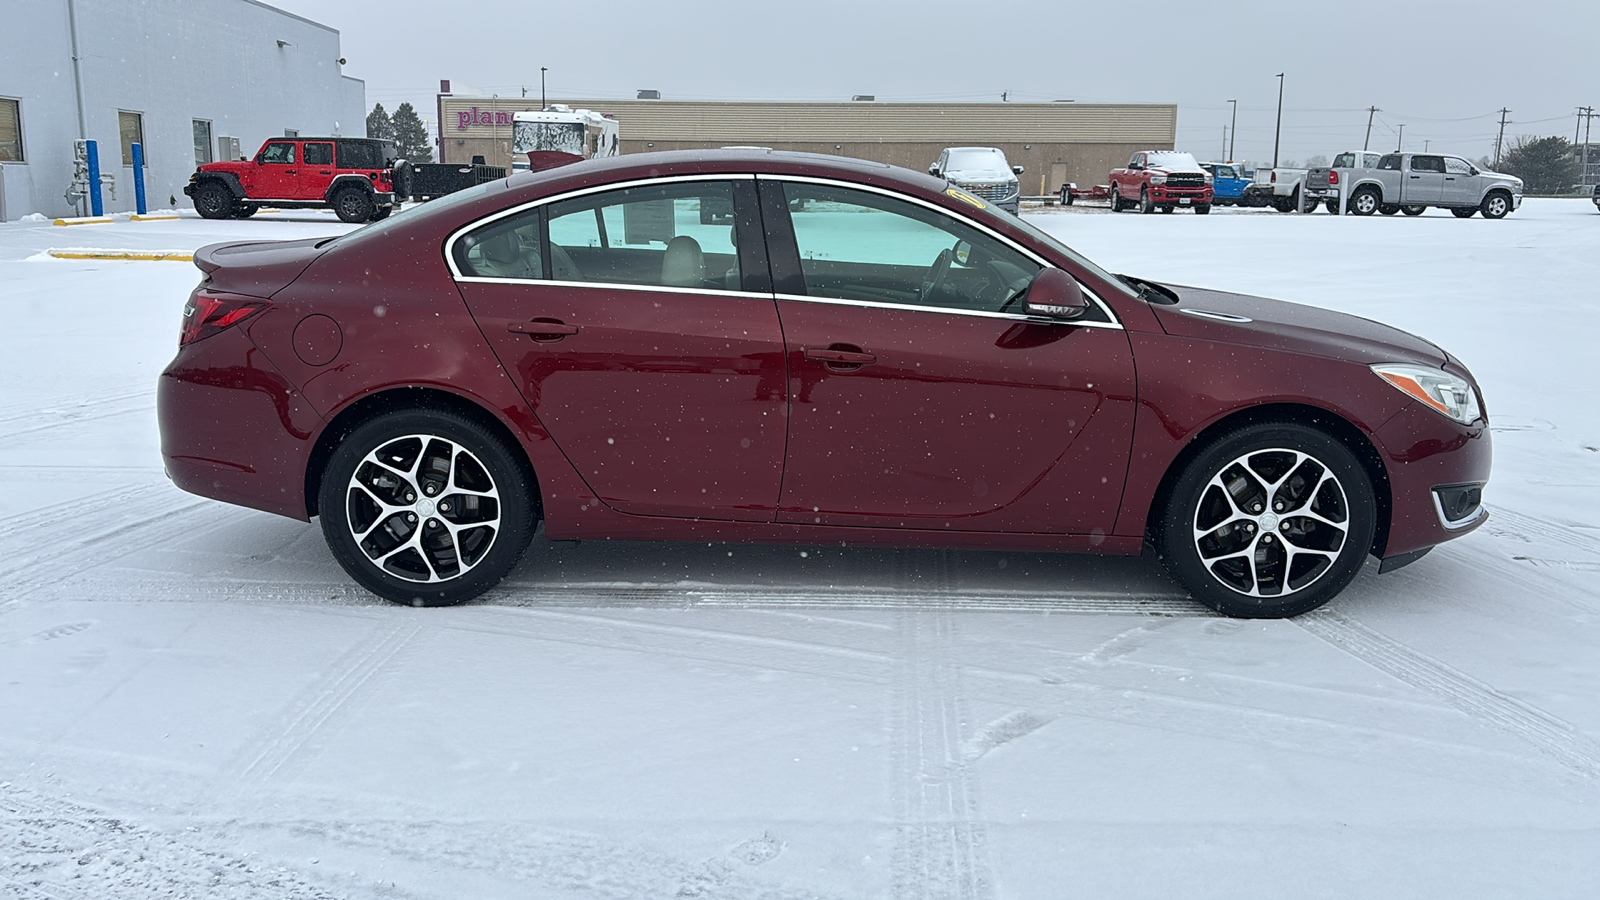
<point>976,313</point>
<point>615,286</point>
<point>450,242</point>
<point>896,195</point>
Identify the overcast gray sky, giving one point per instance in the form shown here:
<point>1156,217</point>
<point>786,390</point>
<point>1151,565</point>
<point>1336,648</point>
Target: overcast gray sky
<point>1443,69</point>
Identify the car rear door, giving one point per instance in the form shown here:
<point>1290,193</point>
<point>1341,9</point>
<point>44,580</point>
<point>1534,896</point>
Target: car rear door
<point>915,401</point>
<point>1424,182</point>
<point>315,170</point>
<point>646,341</point>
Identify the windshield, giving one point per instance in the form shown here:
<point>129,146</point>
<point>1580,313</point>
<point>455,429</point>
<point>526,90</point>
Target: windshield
<point>1172,160</point>
<point>565,137</point>
<point>965,159</point>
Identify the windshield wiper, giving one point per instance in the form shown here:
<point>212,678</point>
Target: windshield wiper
<point>1150,291</point>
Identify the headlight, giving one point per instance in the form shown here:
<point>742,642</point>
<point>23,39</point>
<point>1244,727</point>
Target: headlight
<point>1210,180</point>
<point>1158,179</point>
<point>1446,393</point>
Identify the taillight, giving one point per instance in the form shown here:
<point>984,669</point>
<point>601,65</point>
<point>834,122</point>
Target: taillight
<point>206,314</point>
<point>1274,176</point>
<point>1333,177</point>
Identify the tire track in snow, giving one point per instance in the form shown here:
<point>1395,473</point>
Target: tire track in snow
<point>940,846</point>
<point>1520,526</point>
<point>1482,702</point>
<point>262,762</point>
<point>72,411</point>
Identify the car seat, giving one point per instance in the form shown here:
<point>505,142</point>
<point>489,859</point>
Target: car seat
<point>683,265</point>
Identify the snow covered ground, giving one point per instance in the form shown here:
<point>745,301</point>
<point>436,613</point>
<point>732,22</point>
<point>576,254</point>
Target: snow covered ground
<point>195,701</point>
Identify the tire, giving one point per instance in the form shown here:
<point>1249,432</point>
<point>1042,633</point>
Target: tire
<point>1116,198</point>
<point>244,210</point>
<point>353,204</point>
<point>1066,197</point>
<point>1463,212</point>
<point>1496,205</point>
<point>381,212</point>
<point>1332,206</point>
<point>1365,201</point>
<point>1229,550</point>
<point>1145,206</point>
<point>400,179</point>
<point>1202,210</point>
<point>1413,210</point>
<point>1167,208</point>
<point>1285,204</point>
<point>213,200</point>
<point>1388,209</point>
<point>388,547</point>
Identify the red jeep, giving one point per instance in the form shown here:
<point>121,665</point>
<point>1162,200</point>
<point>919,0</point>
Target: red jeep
<point>361,179</point>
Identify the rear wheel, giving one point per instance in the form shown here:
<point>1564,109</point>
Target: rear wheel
<point>425,507</point>
<point>1116,198</point>
<point>1463,212</point>
<point>1413,210</point>
<point>1268,521</point>
<point>352,204</point>
<point>1496,205</point>
<point>1365,202</point>
<point>213,200</point>
<point>244,210</point>
<point>1167,207</point>
<point>1331,205</point>
<point>1389,209</point>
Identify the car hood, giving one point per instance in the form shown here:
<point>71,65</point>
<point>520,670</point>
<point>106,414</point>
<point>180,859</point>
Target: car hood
<point>1177,170</point>
<point>257,268</point>
<point>1278,325</point>
<point>980,175</point>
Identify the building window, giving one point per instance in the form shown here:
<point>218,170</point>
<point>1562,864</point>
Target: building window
<point>131,124</point>
<point>202,142</point>
<point>10,130</point>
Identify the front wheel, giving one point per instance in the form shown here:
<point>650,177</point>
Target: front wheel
<point>426,507</point>
<point>1066,197</point>
<point>1202,209</point>
<point>1496,205</point>
<point>1268,521</point>
<point>213,200</point>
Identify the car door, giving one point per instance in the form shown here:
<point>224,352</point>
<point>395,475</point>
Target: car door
<point>646,344</point>
<point>315,170</point>
<point>276,171</point>
<point>1424,184</point>
<point>918,399</point>
<point>1460,184</point>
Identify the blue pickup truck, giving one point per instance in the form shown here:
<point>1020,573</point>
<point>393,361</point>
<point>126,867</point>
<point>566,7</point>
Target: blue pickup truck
<point>1229,182</point>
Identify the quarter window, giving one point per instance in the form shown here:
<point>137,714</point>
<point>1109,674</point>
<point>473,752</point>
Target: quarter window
<point>856,245</point>
<point>10,130</point>
<point>507,248</point>
<point>131,125</point>
<point>668,235</point>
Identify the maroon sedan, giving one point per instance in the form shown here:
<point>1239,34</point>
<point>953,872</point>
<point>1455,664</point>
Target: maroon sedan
<point>772,346</point>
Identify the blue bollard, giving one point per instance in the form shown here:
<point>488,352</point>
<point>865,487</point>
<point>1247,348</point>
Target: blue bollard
<point>95,206</point>
<point>138,178</point>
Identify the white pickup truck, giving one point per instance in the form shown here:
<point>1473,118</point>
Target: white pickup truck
<point>1277,187</point>
<point>1412,182</point>
<point>1285,189</point>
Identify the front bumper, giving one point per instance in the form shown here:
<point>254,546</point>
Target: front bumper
<point>1429,460</point>
<point>1160,193</point>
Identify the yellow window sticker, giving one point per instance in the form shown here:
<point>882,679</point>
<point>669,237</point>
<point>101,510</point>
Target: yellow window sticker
<point>965,197</point>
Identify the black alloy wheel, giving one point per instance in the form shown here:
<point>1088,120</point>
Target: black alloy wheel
<point>353,204</point>
<point>213,200</point>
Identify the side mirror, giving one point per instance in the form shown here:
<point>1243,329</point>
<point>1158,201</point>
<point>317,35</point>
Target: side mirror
<point>1055,295</point>
<point>1016,170</point>
<point>1136,167</point>
<point>1474,170</point>
<point>934,169</point>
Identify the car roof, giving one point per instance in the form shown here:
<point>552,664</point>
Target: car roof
<point>730,161</point>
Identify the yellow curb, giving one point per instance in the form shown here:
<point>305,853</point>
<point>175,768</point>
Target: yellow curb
<point>268,209</point>
<point>84,220</point>
<point>139,218</point>
<point>151,255</point>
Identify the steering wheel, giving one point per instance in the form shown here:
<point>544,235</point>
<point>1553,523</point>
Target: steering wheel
<point>934,280</point>
<point>1018,291</point>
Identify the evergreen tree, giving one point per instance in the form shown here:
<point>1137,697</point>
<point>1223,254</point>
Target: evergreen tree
<point>1546,165</point>
<point>410,138</point>
<point>379,124</point>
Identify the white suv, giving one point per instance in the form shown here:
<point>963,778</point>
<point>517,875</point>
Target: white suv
<point>982,172</point>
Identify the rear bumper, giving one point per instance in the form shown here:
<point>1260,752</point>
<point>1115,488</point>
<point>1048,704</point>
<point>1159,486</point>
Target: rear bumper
<point>233,428</point>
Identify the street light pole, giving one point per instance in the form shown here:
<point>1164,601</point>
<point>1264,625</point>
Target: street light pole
<point>1400,138</point>
<point>1277,132</point>
<point>1233,130</point>
<point>542,104</point>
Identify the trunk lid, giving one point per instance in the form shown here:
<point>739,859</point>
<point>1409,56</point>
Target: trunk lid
<point>256,268</point>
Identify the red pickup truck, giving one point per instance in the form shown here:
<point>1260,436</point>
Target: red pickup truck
<point>361,179</point>
<point>1161,179</point>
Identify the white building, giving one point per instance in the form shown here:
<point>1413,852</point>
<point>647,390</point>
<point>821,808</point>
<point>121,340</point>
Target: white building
<point>176,75</point>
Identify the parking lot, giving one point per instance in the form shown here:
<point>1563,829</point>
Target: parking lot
<point>198,700</point>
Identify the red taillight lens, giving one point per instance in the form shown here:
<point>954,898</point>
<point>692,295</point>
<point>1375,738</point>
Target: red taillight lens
<point>1333,177</point>
<point>206,314</point>
<point>1274,176</point>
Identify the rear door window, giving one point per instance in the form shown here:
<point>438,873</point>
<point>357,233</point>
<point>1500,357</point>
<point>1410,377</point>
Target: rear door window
<point>318,154</point>
<point>675,234</point>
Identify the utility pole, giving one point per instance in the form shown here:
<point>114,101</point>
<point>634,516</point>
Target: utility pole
<point>1277,132</point>
<point>1400,138</point>
<point>542,104</point>
<point>1233,130</point>
<point>1425,146</point>
<point>1371,111</point>
<point>1588,121</point>
<point>1500,138</point>
<point>524,92</point>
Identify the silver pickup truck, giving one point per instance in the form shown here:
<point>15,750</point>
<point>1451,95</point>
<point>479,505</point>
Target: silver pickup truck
<point>1412,182</point>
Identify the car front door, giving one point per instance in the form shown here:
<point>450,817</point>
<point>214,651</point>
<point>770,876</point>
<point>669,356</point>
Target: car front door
<point>315,170</point>
<point>647,345</point>
<point>276,171</point>
<point>919,398</point>
<point>1424,184</point>
<point>1460,185</point>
